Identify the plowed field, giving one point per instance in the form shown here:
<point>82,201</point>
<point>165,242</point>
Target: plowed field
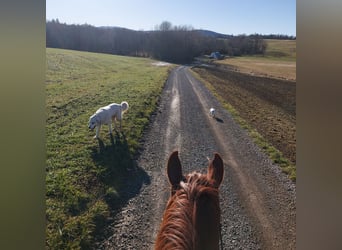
<point>267,104</point>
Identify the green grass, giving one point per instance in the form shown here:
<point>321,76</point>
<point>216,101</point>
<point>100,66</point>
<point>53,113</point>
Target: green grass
<point>283,49</point>
<point>274,154</point>
<point>84,176</point>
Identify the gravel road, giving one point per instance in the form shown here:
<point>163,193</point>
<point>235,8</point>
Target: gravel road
<point>258,202</point>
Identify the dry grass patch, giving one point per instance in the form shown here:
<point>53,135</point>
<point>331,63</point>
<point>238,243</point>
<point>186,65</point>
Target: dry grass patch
<point>263,66</point>
<point>279,61</point>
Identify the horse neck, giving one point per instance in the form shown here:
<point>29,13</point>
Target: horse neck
<point>176,230</point>
<point>207,220</point>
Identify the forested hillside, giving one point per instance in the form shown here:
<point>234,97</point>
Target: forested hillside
<point>179,44</point>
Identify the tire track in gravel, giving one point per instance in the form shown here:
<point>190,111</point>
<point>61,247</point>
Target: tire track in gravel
<point>136,224</point>
<point>254,198</point>
<point>257,201</point>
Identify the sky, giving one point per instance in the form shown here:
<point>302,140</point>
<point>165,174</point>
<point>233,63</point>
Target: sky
<point>231,17</point>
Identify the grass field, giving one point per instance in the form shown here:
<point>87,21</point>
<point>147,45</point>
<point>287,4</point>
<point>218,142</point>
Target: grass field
<point>284,49</point>
<point>84,176</point>
<point>279,61</point>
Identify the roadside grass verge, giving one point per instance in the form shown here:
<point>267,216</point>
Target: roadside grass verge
<point>85,177</point>
<point>275,155</point>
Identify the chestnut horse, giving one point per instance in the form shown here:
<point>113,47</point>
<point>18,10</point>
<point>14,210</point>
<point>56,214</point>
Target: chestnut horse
<point>191,219</point>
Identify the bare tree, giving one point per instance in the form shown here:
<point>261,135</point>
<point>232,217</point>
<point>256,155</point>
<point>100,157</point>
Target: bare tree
<point>165,26</point>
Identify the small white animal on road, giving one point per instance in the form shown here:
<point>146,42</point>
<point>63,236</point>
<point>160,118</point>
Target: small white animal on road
<point>212,112</point>
<point>107,115</point>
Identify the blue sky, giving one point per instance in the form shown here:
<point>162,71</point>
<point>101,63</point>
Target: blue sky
<point>223,16</point>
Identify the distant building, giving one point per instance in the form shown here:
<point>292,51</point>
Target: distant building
<point>216,55</point>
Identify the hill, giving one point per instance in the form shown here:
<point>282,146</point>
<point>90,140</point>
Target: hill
<point>84,177</point>
<point>213,34</point>
<point>167,43</point>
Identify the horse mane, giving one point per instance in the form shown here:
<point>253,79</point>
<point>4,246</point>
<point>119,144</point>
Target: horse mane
<point>185,211</point>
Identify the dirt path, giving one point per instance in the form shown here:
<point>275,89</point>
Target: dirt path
<point>257,200</point>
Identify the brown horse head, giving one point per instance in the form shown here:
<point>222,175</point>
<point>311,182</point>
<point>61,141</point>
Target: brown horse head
<point>192,216</point>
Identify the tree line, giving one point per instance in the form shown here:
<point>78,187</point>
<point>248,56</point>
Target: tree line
<point>179,44</point>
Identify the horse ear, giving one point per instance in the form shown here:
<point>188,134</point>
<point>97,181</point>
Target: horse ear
<point>215,170</point>
<point>174,169</point>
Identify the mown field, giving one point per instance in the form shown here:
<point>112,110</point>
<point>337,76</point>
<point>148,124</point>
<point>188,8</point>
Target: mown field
<point>84,176</point>
<point>279,61</point>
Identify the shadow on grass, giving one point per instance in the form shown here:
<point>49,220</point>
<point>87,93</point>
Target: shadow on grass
<point>118,172</point>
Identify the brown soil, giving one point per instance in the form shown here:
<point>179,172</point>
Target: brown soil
<point>267,104</point>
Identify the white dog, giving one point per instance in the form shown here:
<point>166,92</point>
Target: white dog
<point>212,112</point>
<point>107,115</point>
